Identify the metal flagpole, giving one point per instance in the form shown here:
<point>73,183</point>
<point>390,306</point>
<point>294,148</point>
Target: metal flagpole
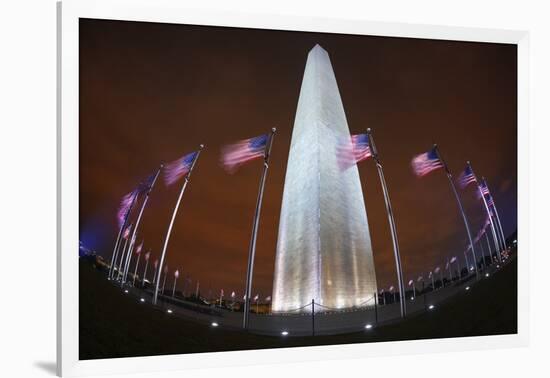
<point>117,244</point>
<point>252,247</point>
<point>168,232</point>
<point>119,252</point>
<point>496,240</point>
<point>138,220</point>
<point>164,281</point>
<point>482,254</point>
<point>391,220</point>
<point>489,247</point>
<point>114,264</point>
<point>493,230</point>
<point>496,214</point>
<point>501,241</point>
<point>115,250</point>
<point>458,201</point>
<point>124,252</point>
<point>124,261</point>
<point>174,287</point>
<point>128,260</point>
<point>499,225</point>
<point>156,270</point>
<point>135,270</point>
<point>145,271</point>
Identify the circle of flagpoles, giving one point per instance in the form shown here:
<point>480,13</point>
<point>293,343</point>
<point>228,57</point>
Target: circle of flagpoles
<point>359,147</point>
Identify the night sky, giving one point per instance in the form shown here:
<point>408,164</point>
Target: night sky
<point>150,93</point>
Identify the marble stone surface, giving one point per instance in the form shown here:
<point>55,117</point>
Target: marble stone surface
<point>324,248</point>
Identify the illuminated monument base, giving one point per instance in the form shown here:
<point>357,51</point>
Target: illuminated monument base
<point>324,249</point>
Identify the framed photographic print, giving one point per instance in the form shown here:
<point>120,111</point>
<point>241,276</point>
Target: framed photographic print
<point>257,185</point>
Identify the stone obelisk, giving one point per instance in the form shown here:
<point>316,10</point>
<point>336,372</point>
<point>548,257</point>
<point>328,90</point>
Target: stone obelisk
<point>324,249</point>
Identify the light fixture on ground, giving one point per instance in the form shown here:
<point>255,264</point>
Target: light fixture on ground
<point>126,291</point>
<point>142,300</point>
<point>214,324</point>
<point>486,274</point>
<point>467,288</point>
<point>368,326</point>
<point>431,307</point>
<point>169,311</point>
<point>284,333</point>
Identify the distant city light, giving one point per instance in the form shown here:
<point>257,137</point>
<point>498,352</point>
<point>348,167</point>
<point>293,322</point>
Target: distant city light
<point>368,326</point>
<point>486,274</point>
<point>126,291</point>
<point>169,311</point>
<point>467,287</point>
<point>214,324</point>
<point>412,298</point>
<point>284,333</point>
<point>141,300</point>
<point>431,307</point>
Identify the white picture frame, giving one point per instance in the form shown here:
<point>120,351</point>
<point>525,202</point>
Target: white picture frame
<point>166,11</point>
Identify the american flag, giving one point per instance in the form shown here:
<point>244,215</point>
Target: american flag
<point>354,150</point>
<point>232,294</point>
<point>411,282</point>
<point>467,177</point>
<point>391,288</point>
<point>425,163</point>
<point>177,273</point>
<point>453,259</point>
<point>256,297</point>
<point>267,299</point>
<point>484,189</point>
<point>166,269</point>
<point>126,233</point>
<point>138,250</point>
<point>420,278</point>
<point>430,275</point>
<point>490,202</point>
<point>156,264</point>
<point>482,231</point>
<point>221,292</point>
<point>446,266</point>
<point>237,154</point>
<point>144,186</point>
<point>179,168</point>
<point>436,270</point>
<point>126,206</point>
<point>147,255</point>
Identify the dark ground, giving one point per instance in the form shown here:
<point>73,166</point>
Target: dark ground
<point>113,325</point>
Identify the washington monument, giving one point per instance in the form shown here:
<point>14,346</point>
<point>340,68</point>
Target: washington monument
<point>324,250</point>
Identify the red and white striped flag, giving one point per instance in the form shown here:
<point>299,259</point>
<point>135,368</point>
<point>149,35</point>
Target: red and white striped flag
<point>237,154</point>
